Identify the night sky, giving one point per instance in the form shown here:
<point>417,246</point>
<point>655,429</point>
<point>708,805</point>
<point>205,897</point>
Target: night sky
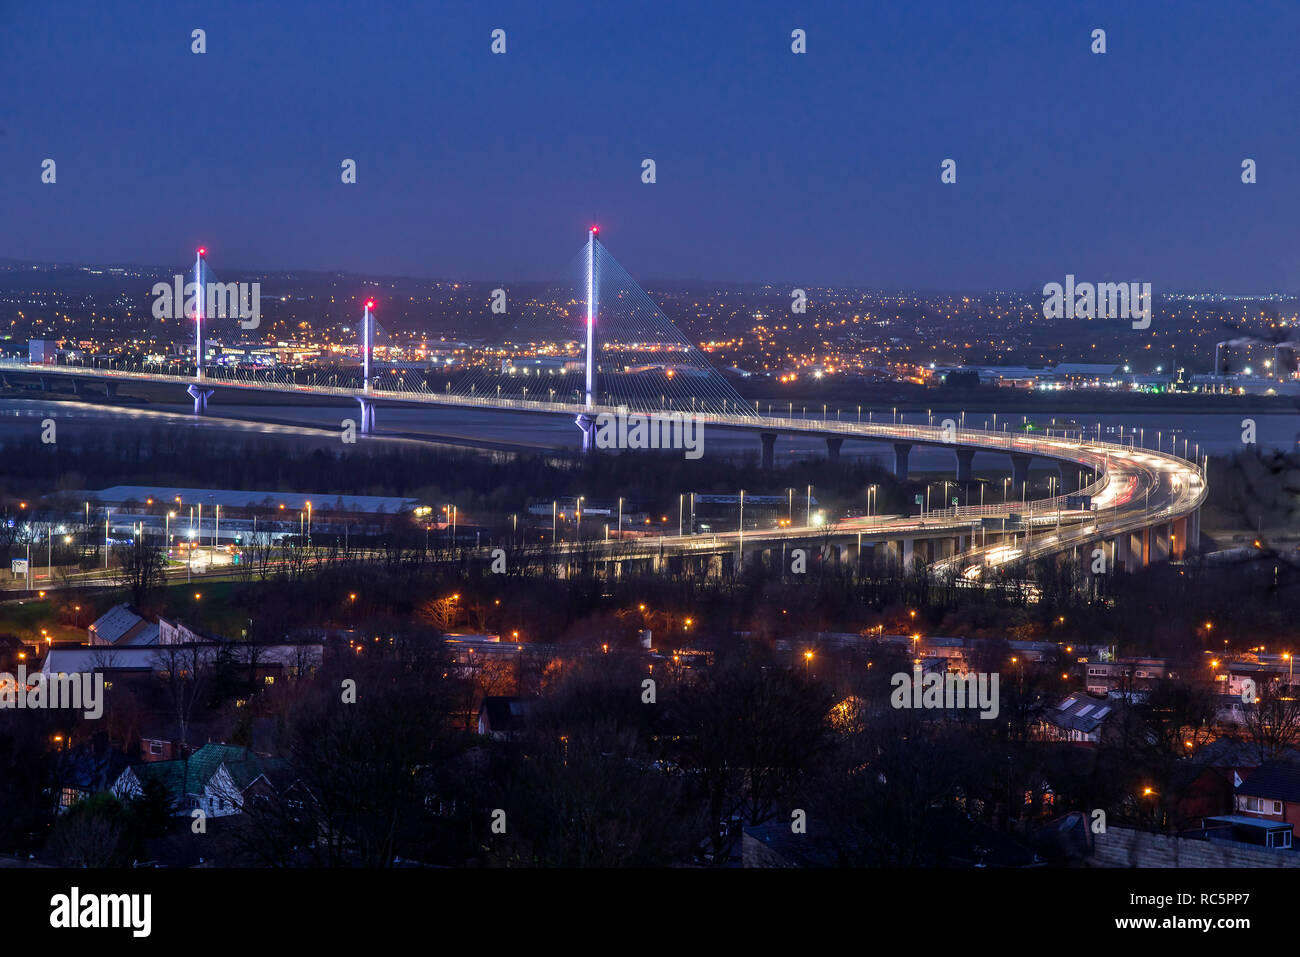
<point>771,166</point>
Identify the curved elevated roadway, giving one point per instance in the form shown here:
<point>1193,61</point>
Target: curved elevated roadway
<point>1145,502</point>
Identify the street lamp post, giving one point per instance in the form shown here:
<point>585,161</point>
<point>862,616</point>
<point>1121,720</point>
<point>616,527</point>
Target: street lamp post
<point>741,550</point>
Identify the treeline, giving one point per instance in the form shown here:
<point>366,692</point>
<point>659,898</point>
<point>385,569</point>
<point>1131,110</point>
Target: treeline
<point>606,770</point>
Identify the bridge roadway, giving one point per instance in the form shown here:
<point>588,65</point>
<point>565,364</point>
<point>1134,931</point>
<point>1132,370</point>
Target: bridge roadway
<point>1145,502</point>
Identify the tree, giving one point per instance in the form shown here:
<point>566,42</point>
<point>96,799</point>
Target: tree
<point>752,735</point>
<point>186,671</point>
<point>151,809</point>
<point>96,832</point>
<point>139,568</point>
<point>1273,719</point>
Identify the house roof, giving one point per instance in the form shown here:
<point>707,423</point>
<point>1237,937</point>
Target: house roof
<point>91,658</point>
<point>1275,780</point>
<point>1080,712</point>
<point>92,766</point>
<point>170,773</point>
<point>145,634</point>
<point>1228,752</point>
<point>1242,820</point>
<point>191,775</point>
<point>1085,368</point>
<point>117,623</point>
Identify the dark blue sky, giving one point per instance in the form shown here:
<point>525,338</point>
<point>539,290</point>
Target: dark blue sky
<point>771,166</point>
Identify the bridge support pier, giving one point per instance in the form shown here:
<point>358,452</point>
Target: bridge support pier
<point>1020,470</point>
<point>200,396</point>
<point>769,449</point>
<point>587,423</point>
<point>1070,478</point>
<point>901,450</point>
<point>367,414</point>
<point>965,464</point>
<point>1161,542</point>
<point>110,390</point>
<point>833,445</point>
<point>1132,550</point>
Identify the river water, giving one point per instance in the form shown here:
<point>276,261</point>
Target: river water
<point>1219,434</point>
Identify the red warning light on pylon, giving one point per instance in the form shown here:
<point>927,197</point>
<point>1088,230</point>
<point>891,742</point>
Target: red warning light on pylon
<point>370,304</point>
<point>203,250</point>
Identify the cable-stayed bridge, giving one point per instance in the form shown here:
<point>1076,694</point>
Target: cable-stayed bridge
<point>1144,503</point>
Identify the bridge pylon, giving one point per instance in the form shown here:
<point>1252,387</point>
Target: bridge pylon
<point>367,414</point>
<point>198,322</point>
<point>200,396</point>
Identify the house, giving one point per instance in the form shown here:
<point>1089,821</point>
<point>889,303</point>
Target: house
<point>1271,792</point>
<point>87,769</point>
<point>1194,791</point>
<point>502,716</point>
<point>1246,829</point>
<point>122,625</point>
<point>216,779</point>
<point>269,661</point>
<point>157,747</point>
<point>775,845</point>
<point>1123,674</point>
<point>1229,710</point>
<point>1203,785</point>
<point>1241,675</point>
<point>1078,718</point>
<point>179,633</point>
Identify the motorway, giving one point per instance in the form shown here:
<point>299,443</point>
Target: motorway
<point>1135,488</point>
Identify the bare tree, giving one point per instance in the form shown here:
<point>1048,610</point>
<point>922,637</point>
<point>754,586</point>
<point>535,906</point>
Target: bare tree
<point>139,568</point>
<point>186,671</point>
<point>1273,719</point>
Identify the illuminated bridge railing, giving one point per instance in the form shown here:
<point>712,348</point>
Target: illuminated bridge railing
<point>1094,454</point>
